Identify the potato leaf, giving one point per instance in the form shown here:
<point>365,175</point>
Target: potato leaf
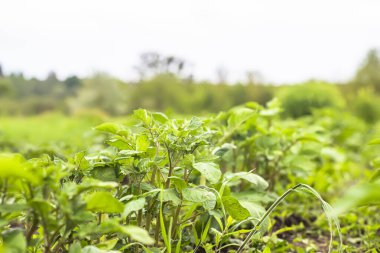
<point>103,202</point>
<point>199,195</point>
<point>234,208</point>
<point>133,206</point>
<point>210,170</point>
<point>257,182</point>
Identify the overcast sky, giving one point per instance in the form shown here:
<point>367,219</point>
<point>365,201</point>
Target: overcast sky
<point>286,41</point>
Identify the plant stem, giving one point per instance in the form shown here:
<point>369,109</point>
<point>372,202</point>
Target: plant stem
<point>5,190</point>
<point>268,212</point>
<point>167,184</point>
<point>175,220</point>
<point>32,229</point>
<point>157,229</point>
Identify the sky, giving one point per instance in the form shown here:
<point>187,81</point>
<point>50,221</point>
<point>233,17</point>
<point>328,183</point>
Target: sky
<point>286,41</point>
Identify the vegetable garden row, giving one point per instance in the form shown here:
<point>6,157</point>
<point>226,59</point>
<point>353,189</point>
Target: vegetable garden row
<point>244,180</point>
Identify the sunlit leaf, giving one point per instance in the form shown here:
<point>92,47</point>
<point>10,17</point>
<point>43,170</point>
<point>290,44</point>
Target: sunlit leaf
<point>14,166</point>
<point>109,127</point>
<point>374,142</point>
<point>211,171</point>
<point>142,143</point>
<point>256,181</point>
<point>234,208</point>
<point>133,205</point>
<point>199,195</point>
<point>103,202</point>
<point>239,116</point>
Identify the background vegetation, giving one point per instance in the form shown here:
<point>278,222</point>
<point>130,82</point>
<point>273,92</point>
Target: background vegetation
<point>165,85</point>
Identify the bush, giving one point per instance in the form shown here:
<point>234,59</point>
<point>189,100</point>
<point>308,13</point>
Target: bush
<point>366,105</point>
<point>299,100</point>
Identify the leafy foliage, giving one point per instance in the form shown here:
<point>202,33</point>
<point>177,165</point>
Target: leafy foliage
<point>212,184</point>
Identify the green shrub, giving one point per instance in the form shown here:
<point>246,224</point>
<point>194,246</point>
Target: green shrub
<point>366,105</point>
<point>299,100</point>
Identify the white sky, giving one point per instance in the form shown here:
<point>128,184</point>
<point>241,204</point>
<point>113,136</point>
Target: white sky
<point>287,41</point>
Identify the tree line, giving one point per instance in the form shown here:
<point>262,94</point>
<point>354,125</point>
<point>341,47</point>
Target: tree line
<point>166,84</point>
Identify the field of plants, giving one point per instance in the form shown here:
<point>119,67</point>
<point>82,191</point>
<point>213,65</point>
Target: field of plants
<point>189,127</point>
<point>246,179</point>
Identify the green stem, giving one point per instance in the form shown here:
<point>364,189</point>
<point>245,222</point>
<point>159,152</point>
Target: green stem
<point>157,229</point>
<point>175,220</point>
<point>167,184</point>
<point>268,212</point>
<point>32,229</point>
<point>5,190</point>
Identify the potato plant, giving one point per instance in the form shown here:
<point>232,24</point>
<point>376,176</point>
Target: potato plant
<point>161,185</point>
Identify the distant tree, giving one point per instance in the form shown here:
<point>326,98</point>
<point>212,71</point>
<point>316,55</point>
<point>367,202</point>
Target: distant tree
<point>52,77</point>
<point>368,75</point>
<point>72,84</point>
<point>1,71</point>
<point>100,92</point>
<point>5,86</point>
<point>152,64</point>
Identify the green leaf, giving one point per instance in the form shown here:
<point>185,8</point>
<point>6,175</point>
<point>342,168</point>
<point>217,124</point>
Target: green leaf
<point>171,195</point>
<point>106,173</point>
<point>253,105</point>
<point>142,115</point>
<point>178,182</point>
<point>220,151</point>
<point>376,162</point>
<point>210,170</point>
<point>273,108</point>
<point>75,248</point>
<point>10,208</point>
<point>309,137</point>
<point>93,249</point>
<point>129,153</point>
<point>200,195</point>
<point>91,184</point>
<point>113,226</point>
<point>108,127</point>
<point>239,116</point>
<point>80,160</point>
<point>138,234</point>
<point>108,244</point>
<point>142,143</point>
<point>267,250</point>
<point>43,206</point>
<point>234,208</point>
<point>255,209</point>
<point>14,166</point>
<point>270,112</point>
<point>359,195</point>
<point>374,142</point>
<point>258,182</point>
<point>376,176</point>
<point>195,123</point>
<point>302,163</point>
<point>13,241</point>
<point>118,142</point>
<point>133,206</point>
<point>160,117</point>
<point>103,202</point>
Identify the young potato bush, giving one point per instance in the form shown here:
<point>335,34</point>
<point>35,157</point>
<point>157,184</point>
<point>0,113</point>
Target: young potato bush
<point>160,185</point>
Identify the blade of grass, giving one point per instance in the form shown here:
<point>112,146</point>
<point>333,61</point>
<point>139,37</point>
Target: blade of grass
<point>326,208</point>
